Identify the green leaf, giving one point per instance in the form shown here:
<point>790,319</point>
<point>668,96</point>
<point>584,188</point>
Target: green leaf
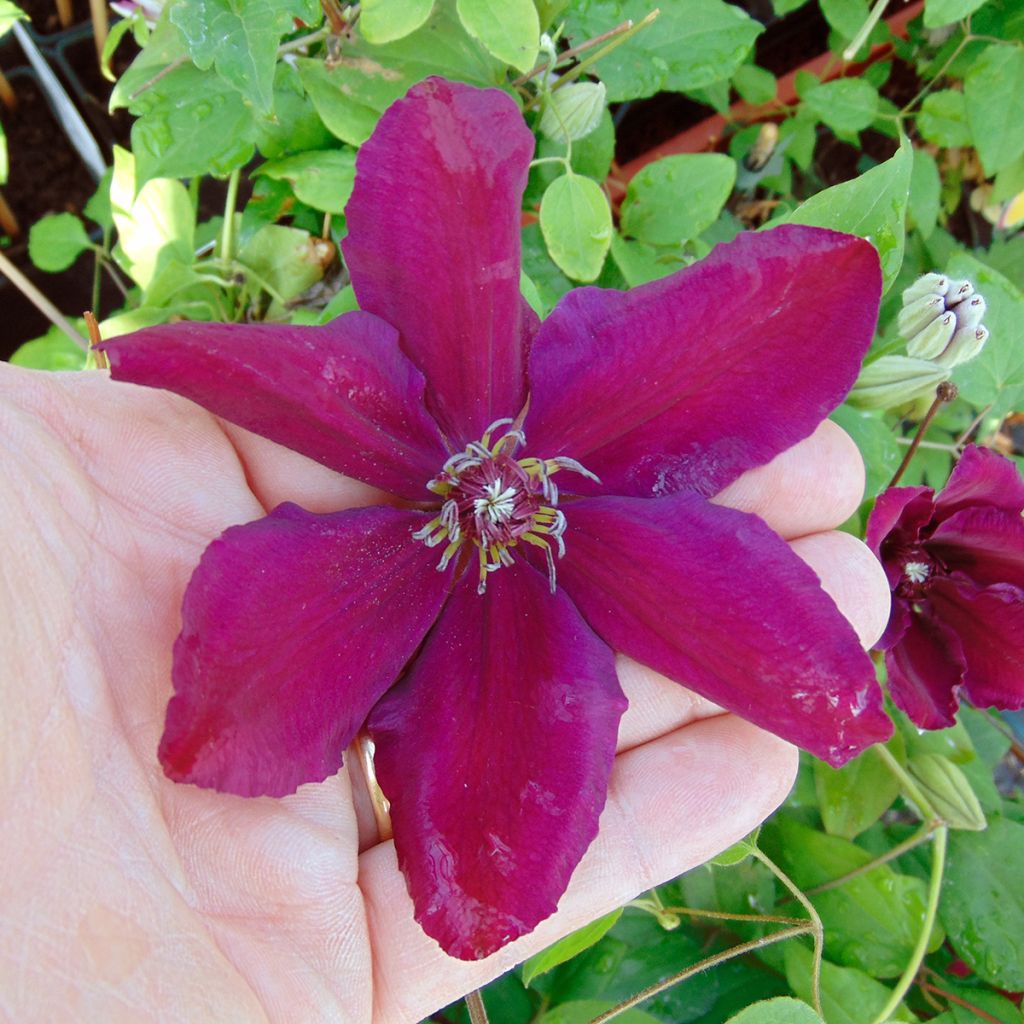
<point>944,12</point>
<point>295,126</point>
<point>873,206</point>
<point>997,374</point>
<point>583,1011</point>
<point>848,996</point>
<point>943,118</point>
<point>754,84</point>
<point>55,242</point>
<point>994,92</point>
<point>845,105</point>
<point>191,123</point>
<point>689,46</point>
<point>53,351</point>
<point>925,193</point>
<point>321,179</point>
<point>873,921</point>
<point>287,259</point>
<point>5,166</point>
<point>739,851</point>
<point>384,21</point>
<point>982,905</point>
<point>364,80</point>
<point>674,199</point>
<point>155,227</point>
<point>508,29</point>
<point>9,14</point>
<point>640,262</point>
<point>576,222</point>
<point>776,1011</point>
<point>854,797</point>
<point>240,38</point>
<point>845,16</point>
<point>567,948</point>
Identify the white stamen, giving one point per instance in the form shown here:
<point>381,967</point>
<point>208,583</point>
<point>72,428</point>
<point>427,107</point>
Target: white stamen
<point>498,505</point>
<point>917,572</point>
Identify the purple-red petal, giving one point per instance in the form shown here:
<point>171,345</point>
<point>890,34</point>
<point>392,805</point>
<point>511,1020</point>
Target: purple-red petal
<point>925,670</point>
<point>902,509</point>
<point>342,394</point>
<point>712,598</point>
<point>292,628</point>
<point>433,246</point>
<point>495,753</point>
<point>983,542</point>
<point>686,382</point>
<point>989,625</point>
<point>981,477</point>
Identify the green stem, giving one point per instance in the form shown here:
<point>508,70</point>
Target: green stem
<point>930,84</point>
<point>931,909</point>
<point>227,231</point>
<point>909,786</point>
<point>865,30</point>
<point>919,837</point>
<point>815,926</point>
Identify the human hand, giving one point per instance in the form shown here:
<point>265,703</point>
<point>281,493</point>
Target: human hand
<point>130,897</point>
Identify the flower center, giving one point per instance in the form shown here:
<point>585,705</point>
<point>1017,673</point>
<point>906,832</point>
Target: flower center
<point>917,572</point>
<point>494,501</point>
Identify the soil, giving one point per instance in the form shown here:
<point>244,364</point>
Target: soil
<point>46,174</point>
<point>44,18</point>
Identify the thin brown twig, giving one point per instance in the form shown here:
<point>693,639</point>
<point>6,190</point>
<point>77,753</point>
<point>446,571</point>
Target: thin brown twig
<point>7,95</point>
<point>945,392</point>
<point>162,73</point>
<point>40,301</point>
<point>927,986</point>
<point>962,439</point>
<point>476,1008</point>
<point>574,51</point>
<point>711,961</point>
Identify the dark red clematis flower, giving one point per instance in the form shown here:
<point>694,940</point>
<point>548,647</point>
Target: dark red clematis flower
<point>495,744</point>
<point>956,567</point>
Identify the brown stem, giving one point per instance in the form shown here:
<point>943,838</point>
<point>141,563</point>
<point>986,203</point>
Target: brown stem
<point>963,438</point>
<point>573,51</point>
<point>8,222</point>
<point>65,13</point>
<point>162,73</point>
<point>724,915</point>
<point>100,25</point>
<point>711,961</point>
<point>476,1008</point>
<point>7,96</point>
<point>945,392</point>
<point>928,987</point>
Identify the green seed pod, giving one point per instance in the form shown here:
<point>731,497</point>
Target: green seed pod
<point>927,284</point>
<point>932,340</point>
<point>917,315</point>
<point>573,111</point>
<point>948,791</point>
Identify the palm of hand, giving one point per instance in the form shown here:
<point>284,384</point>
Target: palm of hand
<point>140,899</point>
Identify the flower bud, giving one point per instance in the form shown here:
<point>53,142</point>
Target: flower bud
<point>918,314</point>
<point>927,284</point>
<point>948,791</point>
<point>964,346</point>
<point>573,111</point>
<point>941,320</point>
<point>932,340</point>
<point>894,381</point>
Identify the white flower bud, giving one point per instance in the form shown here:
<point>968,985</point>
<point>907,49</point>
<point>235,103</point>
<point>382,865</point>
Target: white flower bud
<point>927,284</point>
<point>958,291</point>
<point>919,314</point>
<point>964,346</point>
<point>932,340</point>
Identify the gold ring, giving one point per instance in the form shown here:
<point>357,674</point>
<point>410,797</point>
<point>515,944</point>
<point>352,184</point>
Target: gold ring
<point>378,801</point>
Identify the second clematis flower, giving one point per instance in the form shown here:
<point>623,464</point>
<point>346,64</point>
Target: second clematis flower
<point>551,484</point>
<point>955,563</point>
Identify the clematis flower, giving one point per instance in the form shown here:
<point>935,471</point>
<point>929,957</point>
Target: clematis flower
<point>956,567</point>
<point>551,486</point>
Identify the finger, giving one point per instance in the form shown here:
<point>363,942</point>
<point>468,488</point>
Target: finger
<point>672,804</point>
<point>814,486</point>
<point>849,574</point>
<point>275,474</point>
